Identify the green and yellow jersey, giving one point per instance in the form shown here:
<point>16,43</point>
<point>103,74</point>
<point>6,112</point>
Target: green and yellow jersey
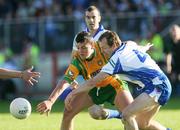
<point>88,69</point>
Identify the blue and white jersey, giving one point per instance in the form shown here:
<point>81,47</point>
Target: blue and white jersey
<point>134,65</point>
<point>96,36</point>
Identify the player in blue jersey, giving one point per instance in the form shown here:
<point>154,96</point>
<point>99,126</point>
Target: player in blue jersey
<point>136,66</point>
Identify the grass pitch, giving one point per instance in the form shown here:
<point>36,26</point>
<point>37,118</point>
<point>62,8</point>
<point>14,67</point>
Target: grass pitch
<point>169,115</point>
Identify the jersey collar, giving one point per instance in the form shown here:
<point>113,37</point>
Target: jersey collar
<point>121,47</point>
<point>101,28</point>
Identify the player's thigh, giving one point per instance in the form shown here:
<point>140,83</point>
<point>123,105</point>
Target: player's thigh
<point>123,99</point>
<point>80,102</point>
<point>140,103</point>
<point>148,114</point>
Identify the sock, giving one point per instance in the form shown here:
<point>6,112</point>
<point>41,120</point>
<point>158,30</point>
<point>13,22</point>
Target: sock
<point>113,114</point>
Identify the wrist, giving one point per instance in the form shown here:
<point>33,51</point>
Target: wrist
<point>21,75</point>
<point>50,100</point>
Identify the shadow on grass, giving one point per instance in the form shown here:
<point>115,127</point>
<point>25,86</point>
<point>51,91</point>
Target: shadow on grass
<point>57,107</point>
<point>173,104</point>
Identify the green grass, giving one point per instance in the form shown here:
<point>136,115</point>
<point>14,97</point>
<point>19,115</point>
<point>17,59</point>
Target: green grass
<point>168,115</point>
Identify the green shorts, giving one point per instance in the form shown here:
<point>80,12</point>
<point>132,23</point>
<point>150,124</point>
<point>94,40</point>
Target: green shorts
<point>105,94</point>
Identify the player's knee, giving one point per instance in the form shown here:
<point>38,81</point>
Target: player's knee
<point>68,115</point>
<point>126,117</point>
<point>143,124</point>
<point>97,112</point>
<point>126,120</point>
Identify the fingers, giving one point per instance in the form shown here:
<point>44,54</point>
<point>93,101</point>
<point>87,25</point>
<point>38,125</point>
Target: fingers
<point>47,113</point>
<point>42,108</point>
<point>36,74</point>
<point>150,44</point>
<point>31,81</point>
<point>34,80</point>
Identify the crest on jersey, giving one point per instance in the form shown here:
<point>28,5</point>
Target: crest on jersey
<point>70,73</point>
<point>100,62</point>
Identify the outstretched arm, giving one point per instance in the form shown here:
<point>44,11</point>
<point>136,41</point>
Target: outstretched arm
<point>26,75</point>
<point>45,106</point>
<point>146,47</point>
<point>143,48</point>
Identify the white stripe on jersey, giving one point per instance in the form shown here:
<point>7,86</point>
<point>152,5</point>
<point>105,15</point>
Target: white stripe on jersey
<point>134,65</point>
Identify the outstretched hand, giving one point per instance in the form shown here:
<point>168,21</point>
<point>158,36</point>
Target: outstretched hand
<point>30,76</point>
<point>44,107</point>
<point>148,46</point>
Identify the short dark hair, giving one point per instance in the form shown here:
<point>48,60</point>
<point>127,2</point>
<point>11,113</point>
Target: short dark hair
<point>82,36</point>
<point>92,8</point>
<point>111,37</point>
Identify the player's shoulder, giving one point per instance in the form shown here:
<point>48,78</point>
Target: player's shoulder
<point>130,42</point>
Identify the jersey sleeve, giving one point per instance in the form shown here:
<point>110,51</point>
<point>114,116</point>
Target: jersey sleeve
<point>132,44</point>
<point>72,71</point>
<point>110,67</point>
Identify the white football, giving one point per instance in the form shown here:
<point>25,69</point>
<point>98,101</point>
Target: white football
<point>20,108</point>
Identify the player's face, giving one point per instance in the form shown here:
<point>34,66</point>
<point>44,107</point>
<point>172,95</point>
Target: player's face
<point>85,50</point>
<point>106,49</point>
<point>174,33</point>
<point>92,19</point>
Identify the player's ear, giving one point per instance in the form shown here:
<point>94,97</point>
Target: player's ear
<point>114,46</point>
<point>99,18</point>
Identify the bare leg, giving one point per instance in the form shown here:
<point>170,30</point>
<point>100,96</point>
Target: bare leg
<point>80,102</point>
<point>122,100</point>
<point>145,121</point>
<point>142,103</point>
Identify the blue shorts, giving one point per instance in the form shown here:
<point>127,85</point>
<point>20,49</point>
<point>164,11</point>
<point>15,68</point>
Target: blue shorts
<point>161,92</point>
<point>65,93</point>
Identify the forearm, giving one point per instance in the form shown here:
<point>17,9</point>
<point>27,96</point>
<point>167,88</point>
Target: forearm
<point>91,83</point>
<point>61,86</point>
<point>6,73</point>
<point>168,62</point>
<point>85,87</point>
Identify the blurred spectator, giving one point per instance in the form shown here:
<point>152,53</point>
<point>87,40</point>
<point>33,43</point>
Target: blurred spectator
<point>78,12</point>
<point>173,57</point>
<point>22,11</point>
<point>4,9</point>
<point>2,56</point>
<point>30,53</point>
<point>157,50</point>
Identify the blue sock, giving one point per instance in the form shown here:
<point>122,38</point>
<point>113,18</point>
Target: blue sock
<point>113,114</point>
<point>168,129</point>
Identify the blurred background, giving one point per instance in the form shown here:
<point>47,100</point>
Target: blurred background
<point>41,33</point>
